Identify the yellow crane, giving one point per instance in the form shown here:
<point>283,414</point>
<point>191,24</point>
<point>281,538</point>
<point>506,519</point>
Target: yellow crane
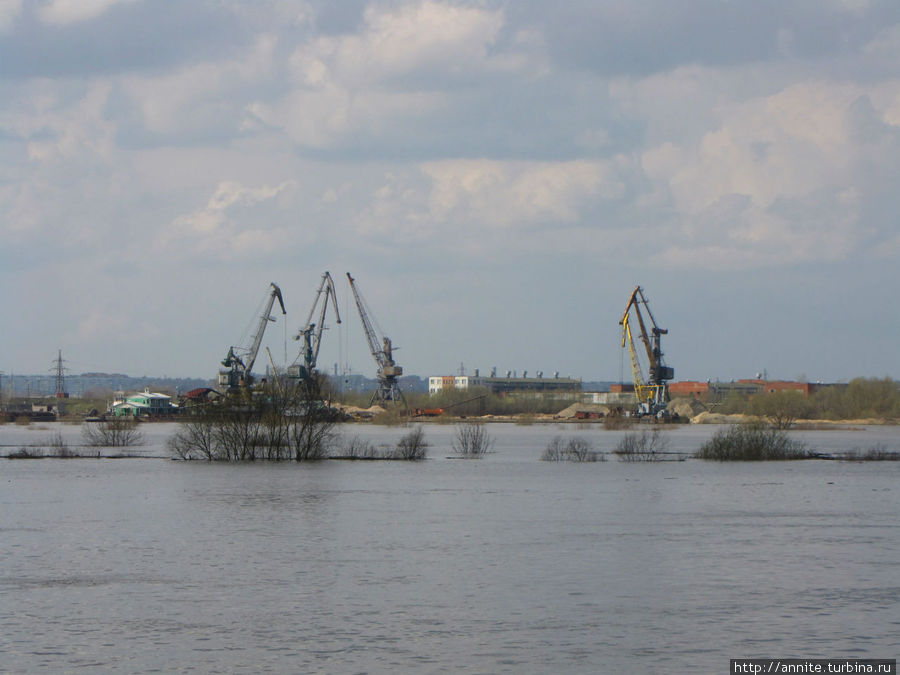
<point>652,392</point>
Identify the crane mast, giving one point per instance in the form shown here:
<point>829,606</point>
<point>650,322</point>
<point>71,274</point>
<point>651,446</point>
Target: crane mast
<point>311,333</point>
<point>652,393</point>
<point>239,363</point>
<point>382,351</point>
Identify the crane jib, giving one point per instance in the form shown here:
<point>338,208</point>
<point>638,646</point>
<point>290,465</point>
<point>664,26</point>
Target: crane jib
<point>652,392</point>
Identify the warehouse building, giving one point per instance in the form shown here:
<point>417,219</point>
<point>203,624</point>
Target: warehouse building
<point>504,385</point>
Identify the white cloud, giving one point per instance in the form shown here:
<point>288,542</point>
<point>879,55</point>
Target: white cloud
<point>392,71</point>
<point>227,195</point>
<point>504,194</point>
<point>62,168</point>
<point>203,95</point>
<point>800,146</point>
<point>319,119</point>
<point>430,36</point>
<point>215,230</point>
<point>61,12</point>
<point>9,12</point>
<point>56,126</point>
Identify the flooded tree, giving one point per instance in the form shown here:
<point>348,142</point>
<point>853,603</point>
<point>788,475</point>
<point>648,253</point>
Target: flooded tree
<point>646,446</point>
<point>752,442</point>
<point>412,445</point>
<point>116,432</point>
<point>310,422</point>
<point>576,449</point>
<point>265,423</point>
<point>472,440</point>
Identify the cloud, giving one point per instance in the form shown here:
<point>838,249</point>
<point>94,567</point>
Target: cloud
<point>62,12</point>
<point>228,226</point>
<point>886,44</point>
<point>204,97</point>
<point>77,130</point>
<point>794,167</point>
<point>431,37</point>
<point>9,12</point>
<point>503,194</point>
<point>397,68</point>
<point>227,195</point>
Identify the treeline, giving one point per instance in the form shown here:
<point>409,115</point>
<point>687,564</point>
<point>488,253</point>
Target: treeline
<point>860,398</point>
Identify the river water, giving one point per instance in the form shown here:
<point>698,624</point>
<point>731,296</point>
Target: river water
<point>499,564</point>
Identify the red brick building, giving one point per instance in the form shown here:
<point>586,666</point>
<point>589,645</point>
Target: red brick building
<point>687,388</point>
<point>745,387</point>
<point>770,387</point>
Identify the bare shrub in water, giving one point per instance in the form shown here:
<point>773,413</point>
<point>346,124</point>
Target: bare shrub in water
<point>751,442</point>
<point>412,445</point>
<point>574,450</point>
<point>116,432</point>
<point>472,440</point>
<point>646,446</point>
<point>264,424</point>
<point>876,453</point>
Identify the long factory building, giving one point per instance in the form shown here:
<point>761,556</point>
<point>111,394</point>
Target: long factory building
<point>503,385</point>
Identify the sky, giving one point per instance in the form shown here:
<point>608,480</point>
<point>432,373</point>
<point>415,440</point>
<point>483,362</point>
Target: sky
<point>497,176</point>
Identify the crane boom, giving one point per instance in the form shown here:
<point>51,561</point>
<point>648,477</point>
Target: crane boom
<point>653,394</point>
<point>311,333</point>
<point>371,335</point>
<point>388,370</point>
<point>264,320</point>
<point>239,369</point>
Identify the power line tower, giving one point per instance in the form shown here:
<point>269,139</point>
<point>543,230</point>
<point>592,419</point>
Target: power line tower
<point>60,377</point>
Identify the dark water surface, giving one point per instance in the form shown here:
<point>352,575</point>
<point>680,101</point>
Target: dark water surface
<point>503,564</point>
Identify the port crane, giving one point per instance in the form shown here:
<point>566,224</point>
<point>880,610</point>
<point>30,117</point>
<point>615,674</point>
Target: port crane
<point>652,393</point>
<point>311,333</point>
<point>382,350</point>
<point>239,362</point>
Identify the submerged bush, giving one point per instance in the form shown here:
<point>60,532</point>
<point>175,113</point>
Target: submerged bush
<point>116,432</point>
<point>472,440</point>
<point>877,453</point>
<point>647,446</point>
<point>575,450</point>
<point>359,448</point>
<point>751,442</point>
<point>412,445</point>
<point>265,424</point>
<point>26,453</point>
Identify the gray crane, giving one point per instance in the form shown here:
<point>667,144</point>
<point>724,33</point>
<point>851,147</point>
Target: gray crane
<point>311,333</point>
<point>239,361</point>
<point>382,350</point>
